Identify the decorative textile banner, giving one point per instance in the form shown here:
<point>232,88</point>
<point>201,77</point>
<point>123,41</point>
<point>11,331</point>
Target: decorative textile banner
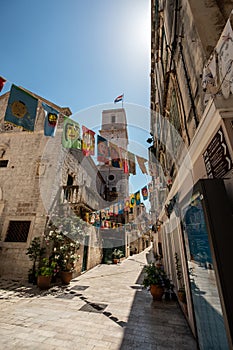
<point>137,197</point>
<point>115,209</point>
<point>124,160</point>
<point>132,201</point>
<point>71,134</point>
<point>144,191</point>
<point>88,142</point>
<point>115,155</point>
<point>132,165</point>
<point>2,82</point>
<point>21,109</point>
<point>127,204</point>
<point>141,163</point>
<point>51,120</point>
<point>102,149</point>
<point>121,207</point>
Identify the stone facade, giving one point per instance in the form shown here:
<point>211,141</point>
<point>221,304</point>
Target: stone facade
<point>190,111</point>
<point>35,181</point>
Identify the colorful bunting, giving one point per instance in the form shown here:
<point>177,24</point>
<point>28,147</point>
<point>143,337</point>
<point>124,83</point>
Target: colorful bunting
<point>2,83</point>
<point>71,134</point>
<point>21,109</point>
<point>132,200</point>
<point>124,159</point>
<point>51,120</point>
<point>132,165</point>
<point>102,149</point>
<point>115,155</point>
<point>88,142</point>
<point>121,207</point>
<point>137,197</point>
<point>141,163</point>
<point>144,191</point>
<point>127,204</point>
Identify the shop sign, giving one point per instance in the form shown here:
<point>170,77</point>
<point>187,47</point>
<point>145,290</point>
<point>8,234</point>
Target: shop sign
<point>217,156</point>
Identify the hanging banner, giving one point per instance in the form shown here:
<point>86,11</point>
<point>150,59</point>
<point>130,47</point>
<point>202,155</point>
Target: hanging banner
<point>88,142</point>
<point>144,191</point>
<point>132,200</point>
<point>137,197</point>
<point>71,137</point>
<point>2,83</point>
<point>127,204</point>
<point>50,121</point>
<point>21,109</point>
<point>102,149</point>
<point>132,165</point>
<point>124,159</point>
<point>141,163</point>
<point>114,155</point>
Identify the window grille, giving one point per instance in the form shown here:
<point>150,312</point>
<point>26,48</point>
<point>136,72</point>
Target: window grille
<point>17,231</point>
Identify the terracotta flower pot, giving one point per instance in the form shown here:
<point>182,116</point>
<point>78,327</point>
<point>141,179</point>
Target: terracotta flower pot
<point>66,276</point>
<point>156,292</point>
<point>43,282</point>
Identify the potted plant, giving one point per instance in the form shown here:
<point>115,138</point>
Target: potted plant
<point>34,252</point>
<point>67,257</point>
<point>45,273</point>
<point>156,279</point>
<point>116,255</point>
<point>181,289</point>
<point>64,251</point>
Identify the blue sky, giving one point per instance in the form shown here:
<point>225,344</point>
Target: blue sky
<point>80,54</point>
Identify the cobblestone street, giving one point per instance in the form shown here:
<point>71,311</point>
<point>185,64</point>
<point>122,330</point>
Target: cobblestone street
<point>104,308</point>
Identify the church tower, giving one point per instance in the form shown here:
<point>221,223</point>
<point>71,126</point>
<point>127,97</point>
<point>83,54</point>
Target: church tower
<point>114,129</point>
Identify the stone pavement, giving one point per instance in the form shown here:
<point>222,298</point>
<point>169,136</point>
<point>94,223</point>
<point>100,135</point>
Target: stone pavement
<point>104,308</point>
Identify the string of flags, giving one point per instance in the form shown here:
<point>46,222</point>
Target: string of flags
<point>107,217</point>
<point>22,111</point>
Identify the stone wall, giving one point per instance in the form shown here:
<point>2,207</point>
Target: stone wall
<point>31,183</point>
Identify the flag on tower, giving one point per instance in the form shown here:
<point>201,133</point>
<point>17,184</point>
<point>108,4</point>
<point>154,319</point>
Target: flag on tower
<point>119,98</point>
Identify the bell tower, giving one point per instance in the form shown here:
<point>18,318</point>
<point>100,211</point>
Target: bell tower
<point>114,129</point>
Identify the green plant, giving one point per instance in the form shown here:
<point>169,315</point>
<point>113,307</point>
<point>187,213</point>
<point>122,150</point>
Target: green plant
<point>117,254</point>
<point>155,275</point>
<point>47,268</point>
<point>34,252</point>
<point>64,250</point>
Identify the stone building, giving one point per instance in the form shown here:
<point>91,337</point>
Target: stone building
<point>114,129</point>
<point>192,153</point>
<point>38,176</point>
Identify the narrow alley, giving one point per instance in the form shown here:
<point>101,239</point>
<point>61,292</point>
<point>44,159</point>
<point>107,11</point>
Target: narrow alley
<point>104,308</point>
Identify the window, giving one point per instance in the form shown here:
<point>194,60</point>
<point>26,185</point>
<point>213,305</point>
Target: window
<point>17,231</point>
<point>113,119</point>
<point>3,163</point>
